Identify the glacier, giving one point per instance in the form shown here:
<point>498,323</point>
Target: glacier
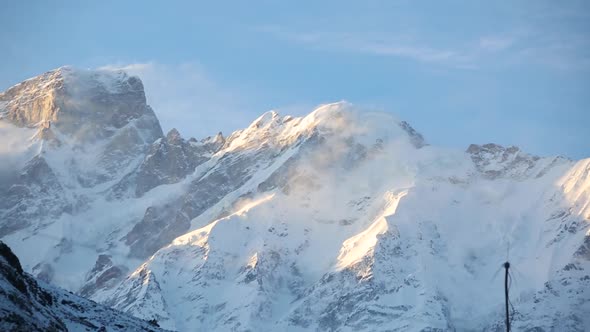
<point>340,220</point>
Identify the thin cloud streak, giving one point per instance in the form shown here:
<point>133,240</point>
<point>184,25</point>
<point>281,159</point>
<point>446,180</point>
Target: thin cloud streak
<point>400,47</point>
<point>522,46</point>
<point>495,43</point>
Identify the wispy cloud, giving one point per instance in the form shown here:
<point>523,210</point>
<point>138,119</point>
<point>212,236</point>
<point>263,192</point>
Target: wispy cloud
<point>495,43</point>
<point>555,50</point>
<point>517,47</point>
<point>416,52</point>
<point>186,97</point>
<point>373,44</point>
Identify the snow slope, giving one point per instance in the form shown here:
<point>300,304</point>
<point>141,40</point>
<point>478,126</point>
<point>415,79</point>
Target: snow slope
<point>30,305</point>
<point>379,243</point>
<point>341,220</point>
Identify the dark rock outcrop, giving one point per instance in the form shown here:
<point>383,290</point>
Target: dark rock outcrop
<point>37,195</point>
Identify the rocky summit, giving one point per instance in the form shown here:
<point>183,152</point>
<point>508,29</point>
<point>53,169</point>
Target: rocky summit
<point>340,220</point>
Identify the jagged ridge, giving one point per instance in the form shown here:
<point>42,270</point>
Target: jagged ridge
<point>342,219</point>
<point>29,305</point>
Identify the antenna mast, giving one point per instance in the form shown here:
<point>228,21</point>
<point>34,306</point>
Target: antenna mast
<point>507,266</point>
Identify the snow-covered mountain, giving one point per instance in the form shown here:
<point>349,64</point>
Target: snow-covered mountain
<point>342,220</point>
<point>29,305</point>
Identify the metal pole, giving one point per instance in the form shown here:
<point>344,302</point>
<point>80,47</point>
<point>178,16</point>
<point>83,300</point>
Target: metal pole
<point>507,266</point>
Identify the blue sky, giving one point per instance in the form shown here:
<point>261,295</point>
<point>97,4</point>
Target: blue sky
<point>461,72</point>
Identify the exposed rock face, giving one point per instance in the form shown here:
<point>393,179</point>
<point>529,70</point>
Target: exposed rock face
<point>159,226</point>
<point>28,305</point>
<point>100,114</point>
<point>144,298</point>
<point>495,161</point>
<point>162,223</point>
<point>340,220</point>
<point>415,137</point>
<point>85,105</point>
<point>171,159</point>
<point>103,275</point>
<point>36,197</point>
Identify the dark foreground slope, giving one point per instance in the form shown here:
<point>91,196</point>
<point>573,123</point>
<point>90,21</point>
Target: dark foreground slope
<point>29,305</point>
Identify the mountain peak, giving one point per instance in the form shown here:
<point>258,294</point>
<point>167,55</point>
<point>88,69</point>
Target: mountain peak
<point>266,119</point>
<point>218,139</point>
<point>331,110</point>
<point>340,118</point>
<point>173,135</point>
<point>494,160</point>
<point>82,104</point>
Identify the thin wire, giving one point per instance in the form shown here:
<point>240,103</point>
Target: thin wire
<point>513,311</point>
<point>508,251</point>
<point>496,273</point>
